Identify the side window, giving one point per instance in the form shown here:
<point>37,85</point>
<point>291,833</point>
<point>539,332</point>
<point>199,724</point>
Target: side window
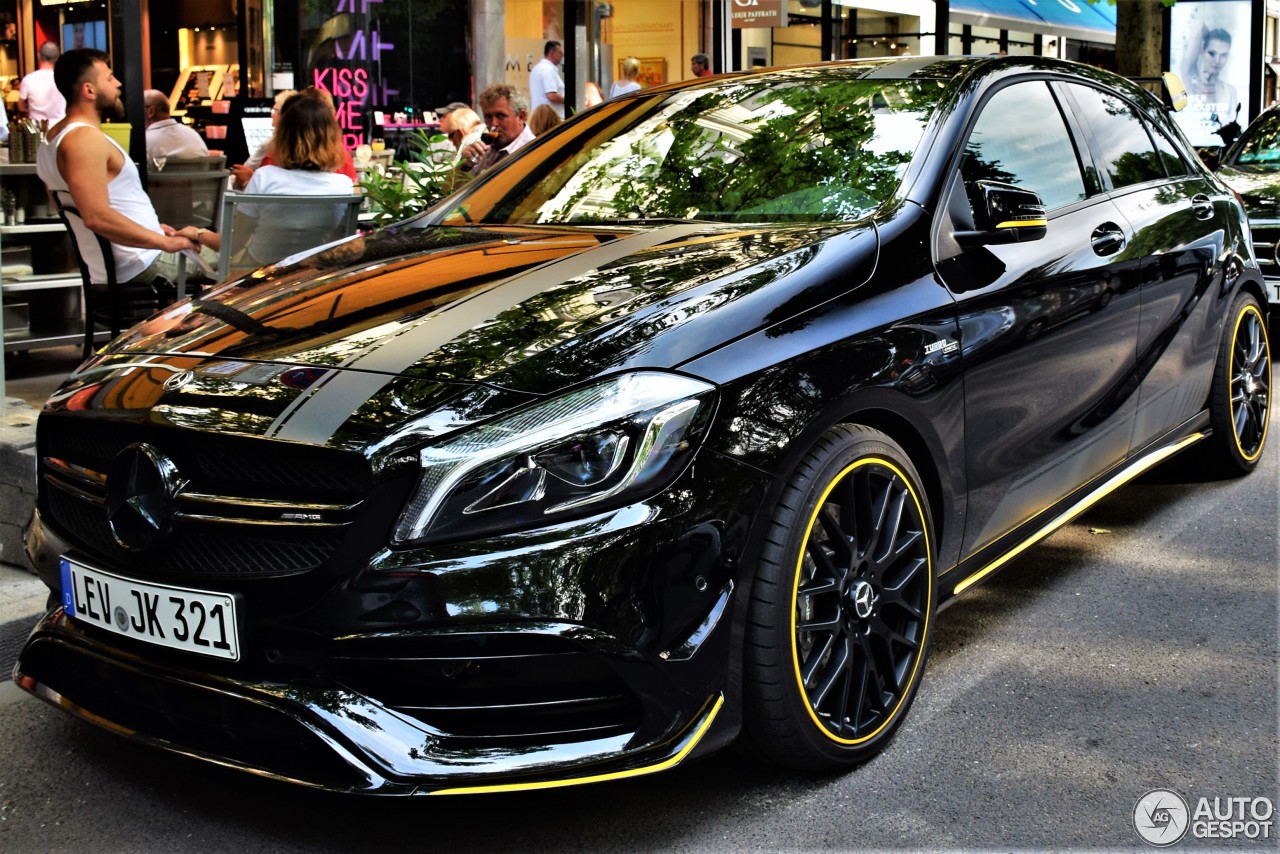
<point>1174,165</point>
<point>1122,146</point>
<point>1020,138</point>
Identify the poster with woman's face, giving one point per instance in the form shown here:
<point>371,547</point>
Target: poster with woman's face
<point>1209,49</point>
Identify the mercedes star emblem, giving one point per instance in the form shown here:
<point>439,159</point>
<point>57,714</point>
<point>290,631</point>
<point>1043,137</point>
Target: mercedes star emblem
<point>141,483</point>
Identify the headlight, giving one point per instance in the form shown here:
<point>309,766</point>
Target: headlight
<point>613,441</point>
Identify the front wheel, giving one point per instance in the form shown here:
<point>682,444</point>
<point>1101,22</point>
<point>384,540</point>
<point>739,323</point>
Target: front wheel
<point>842,605</point>
<point>1240,402</point>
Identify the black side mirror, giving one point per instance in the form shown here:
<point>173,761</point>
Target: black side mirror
<point>1003,213</point>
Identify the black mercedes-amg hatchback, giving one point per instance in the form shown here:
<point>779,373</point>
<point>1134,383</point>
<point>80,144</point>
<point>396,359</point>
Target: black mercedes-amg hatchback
<point>680,426</point>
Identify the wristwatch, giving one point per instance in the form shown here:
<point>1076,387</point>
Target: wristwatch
<point>200,233</point>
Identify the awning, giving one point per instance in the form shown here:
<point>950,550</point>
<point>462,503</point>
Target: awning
<point>1072,19</point>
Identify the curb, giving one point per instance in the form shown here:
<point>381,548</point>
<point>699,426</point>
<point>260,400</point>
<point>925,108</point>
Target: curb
<point>17,478</point>
<point>13,635</point>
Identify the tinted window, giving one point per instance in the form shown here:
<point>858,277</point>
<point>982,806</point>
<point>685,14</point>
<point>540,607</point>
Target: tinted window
<point>1008,144</point>
<point>1174,165</point>
<point>1123,147</point>
<point>1259,150</point>
<point>810,146</point>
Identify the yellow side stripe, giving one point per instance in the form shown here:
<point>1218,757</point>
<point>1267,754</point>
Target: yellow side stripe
<point>1079,507</point>
<point>598,778</point>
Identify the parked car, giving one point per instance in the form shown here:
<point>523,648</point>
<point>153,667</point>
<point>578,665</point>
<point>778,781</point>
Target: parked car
<point>1251,167</point>
<point>679,426</point>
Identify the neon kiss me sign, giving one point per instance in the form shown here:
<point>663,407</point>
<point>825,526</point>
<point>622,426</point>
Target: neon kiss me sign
<point>355,85</point>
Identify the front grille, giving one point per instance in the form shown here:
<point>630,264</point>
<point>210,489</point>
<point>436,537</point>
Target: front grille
<point>1264,244</point>
<point>245,507</point>
<point>507,689</point>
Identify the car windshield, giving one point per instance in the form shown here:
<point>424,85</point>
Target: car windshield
<point>1260,147</point>
<point>795,147</point>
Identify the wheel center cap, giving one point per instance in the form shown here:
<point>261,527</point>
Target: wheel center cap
<point>863,599</point>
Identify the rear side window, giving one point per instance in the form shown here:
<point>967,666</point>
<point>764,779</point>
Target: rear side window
<point>1121,144</point>
<point>1174,165</point>
<point>1020,138</point>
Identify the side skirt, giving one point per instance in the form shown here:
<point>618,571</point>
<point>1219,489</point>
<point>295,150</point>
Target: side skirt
<point>983,565</point>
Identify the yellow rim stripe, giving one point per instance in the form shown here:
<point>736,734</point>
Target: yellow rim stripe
<point>1231,370</point>
<point>1079,507</point>
<point>597,778</point>
<point>795,592</point>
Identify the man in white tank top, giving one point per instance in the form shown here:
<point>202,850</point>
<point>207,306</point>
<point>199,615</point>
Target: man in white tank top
<point>80,161</point>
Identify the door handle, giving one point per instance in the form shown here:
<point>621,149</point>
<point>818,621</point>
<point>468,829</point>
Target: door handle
<point>1107,239</point>
<point>1201,206</point>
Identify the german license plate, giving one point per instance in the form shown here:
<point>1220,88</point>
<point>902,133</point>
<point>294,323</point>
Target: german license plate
<point>199,621</point>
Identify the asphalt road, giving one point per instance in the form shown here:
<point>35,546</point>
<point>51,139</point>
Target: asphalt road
<point>1134,650</point>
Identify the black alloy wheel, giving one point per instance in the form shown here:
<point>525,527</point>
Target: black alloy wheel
<point>1240,405</point>
<point>842,606</point>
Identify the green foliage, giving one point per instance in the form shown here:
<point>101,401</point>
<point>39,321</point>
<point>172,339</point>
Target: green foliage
<point>412,185</point>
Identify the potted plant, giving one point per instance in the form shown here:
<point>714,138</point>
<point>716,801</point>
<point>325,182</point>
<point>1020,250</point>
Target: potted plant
<point>415,184</point>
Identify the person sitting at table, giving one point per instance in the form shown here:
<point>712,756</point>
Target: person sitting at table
<point>347,166</point>
<point>543,120</point>
<point>630,81</point>
<point>306,154</point>
<point>242,176</point>
<point>86,169</point>
<point>166,136</point>
<point>242,172</point>
<point>463,126</point>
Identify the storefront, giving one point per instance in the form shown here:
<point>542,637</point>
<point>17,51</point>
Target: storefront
<point>661,34</point>
<point>388,63</point>
<point>787,32</point>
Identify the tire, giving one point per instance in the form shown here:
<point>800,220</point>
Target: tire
<point>1240,401</point>
<point>842,606</point>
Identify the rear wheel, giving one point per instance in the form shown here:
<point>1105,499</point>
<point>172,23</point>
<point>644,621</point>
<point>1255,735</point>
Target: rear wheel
<point>1240,402</point>
<point>842,605</point>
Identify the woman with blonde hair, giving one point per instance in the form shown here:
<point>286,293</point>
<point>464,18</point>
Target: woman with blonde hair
<point>306,151</point>
<point>543,119</point>
<point>630,81</point>
<point>242,172</point>
<point>323,98</point>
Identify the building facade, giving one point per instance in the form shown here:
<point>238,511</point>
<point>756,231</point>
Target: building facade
<point>388,63</point>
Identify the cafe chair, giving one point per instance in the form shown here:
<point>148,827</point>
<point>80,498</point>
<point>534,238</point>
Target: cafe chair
<point>115,305</point>
<point>258,230</point>
<point>209,163</point>
<point>188,197</point>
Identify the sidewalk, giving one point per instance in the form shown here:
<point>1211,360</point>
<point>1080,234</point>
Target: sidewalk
<point>29,378</point>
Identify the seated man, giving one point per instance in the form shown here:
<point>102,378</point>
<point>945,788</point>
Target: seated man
<point>462,126</point>
<point>505,112</point>
<point>166,136</point>
<point>84,167</point>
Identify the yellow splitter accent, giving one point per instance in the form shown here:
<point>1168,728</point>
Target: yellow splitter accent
<point>669,762</point>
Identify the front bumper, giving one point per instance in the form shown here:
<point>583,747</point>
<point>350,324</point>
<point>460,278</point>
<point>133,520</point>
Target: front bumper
<point>598,649</point>
<point>321,734</point>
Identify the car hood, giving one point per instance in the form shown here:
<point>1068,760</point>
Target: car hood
<point>1259,189</point>
<point>438,327</point>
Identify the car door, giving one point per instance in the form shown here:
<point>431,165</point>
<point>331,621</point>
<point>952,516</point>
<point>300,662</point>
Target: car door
<point>1048,326</point>
<point>1177,214</point>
